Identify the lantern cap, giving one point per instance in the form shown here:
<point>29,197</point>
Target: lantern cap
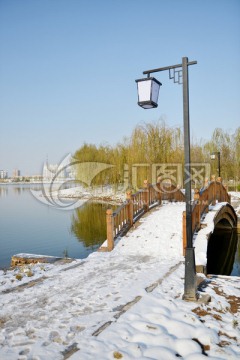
<point>149,78</point>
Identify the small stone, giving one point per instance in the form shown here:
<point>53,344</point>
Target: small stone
<point>117,355</point>
<point>24,352</point>
<point>45,343</point>
<point>19,277</point>
<point>53,335</point>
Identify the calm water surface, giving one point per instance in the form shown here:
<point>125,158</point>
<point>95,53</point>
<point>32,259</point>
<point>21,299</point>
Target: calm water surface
<point>28,226</point>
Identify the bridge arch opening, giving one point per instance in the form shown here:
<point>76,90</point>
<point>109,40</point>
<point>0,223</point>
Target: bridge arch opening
<point>221,250</point>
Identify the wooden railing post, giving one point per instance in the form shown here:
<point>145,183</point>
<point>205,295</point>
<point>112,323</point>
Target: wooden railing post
<point>159,188</point>
<point>225,192</point>
<point>206,183</point>
<point>177,194</point>
<point>198,213</point>
<point>170,194</point>
<point>214,189</point>
<point>146,195</point>
<point>220,197</point>
<point>159,195</point>
<point>205,196</point>
<point>184,232</point>
<point>227,195</point>
<point>229,199</point>
<point>130,207</point>
<point>110,237</point>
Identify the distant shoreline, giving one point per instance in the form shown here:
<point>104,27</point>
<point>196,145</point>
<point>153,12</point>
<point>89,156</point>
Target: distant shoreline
<point>30,182</point>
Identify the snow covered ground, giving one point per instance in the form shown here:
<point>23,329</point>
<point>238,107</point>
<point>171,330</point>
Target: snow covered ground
<point>100,192</point>
<point>126,304</point>
<point>74,197</point>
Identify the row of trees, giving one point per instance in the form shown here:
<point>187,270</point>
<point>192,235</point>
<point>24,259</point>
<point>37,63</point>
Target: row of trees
<point>153,143</point>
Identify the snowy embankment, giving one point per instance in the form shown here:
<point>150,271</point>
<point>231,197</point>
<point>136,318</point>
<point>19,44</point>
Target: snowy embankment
<point>102,193</point>
<point>72,198</point>
<point>235,201</point>
<point>134,293</point>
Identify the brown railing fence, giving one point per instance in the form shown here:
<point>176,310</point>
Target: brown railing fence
<point>212,192</point>
<point>122,219</point>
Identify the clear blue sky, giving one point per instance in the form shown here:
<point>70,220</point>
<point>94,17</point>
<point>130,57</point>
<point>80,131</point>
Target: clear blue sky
<point>68,70</point>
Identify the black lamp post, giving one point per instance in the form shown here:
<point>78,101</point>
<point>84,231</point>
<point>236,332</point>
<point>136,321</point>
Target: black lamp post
<point>148,88</point>
<point>213,157</point>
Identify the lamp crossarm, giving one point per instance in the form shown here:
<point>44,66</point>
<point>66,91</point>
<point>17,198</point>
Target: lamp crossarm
<point>148,72</point>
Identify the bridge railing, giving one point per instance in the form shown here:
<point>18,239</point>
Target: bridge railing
<point>122,219</point>
<point>212,192</point>
<point>137,204</point>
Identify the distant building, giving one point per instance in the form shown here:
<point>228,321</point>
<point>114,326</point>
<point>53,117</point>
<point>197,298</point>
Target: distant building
<point>3,174</point>
<point>16,173</point>
<point>53,172</point>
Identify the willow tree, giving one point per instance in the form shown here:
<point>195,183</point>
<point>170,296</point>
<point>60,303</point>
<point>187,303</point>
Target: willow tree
<point>153,143</point>
<point>236,152</point>
<point>89,159</point>
<point>156,143</point>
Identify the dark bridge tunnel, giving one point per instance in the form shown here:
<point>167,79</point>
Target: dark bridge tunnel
<point>221,250</point>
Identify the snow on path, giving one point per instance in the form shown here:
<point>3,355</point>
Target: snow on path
<point>40,322</point>
<point>162,326</point>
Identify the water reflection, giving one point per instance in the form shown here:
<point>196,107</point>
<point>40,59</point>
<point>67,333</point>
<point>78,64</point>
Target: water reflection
<point>3,191</point>
<point>89,224</point>
<point>17,189</point>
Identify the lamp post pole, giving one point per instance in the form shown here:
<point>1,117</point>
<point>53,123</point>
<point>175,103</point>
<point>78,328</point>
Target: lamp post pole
<point>180,77</point>
<point>190,269</point>
<point>219,170</point>
<point>219,163</point>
